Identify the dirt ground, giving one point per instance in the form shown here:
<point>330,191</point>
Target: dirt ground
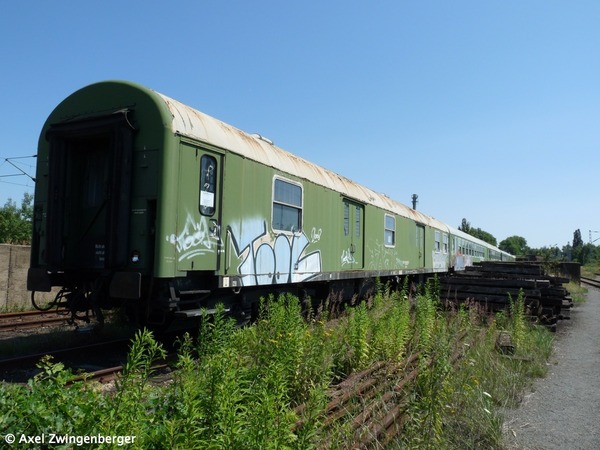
<point>562,411</point>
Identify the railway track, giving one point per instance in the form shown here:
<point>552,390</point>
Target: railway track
<point>98,354</point>
<point>65,352</point>
<point>110,373</point>
<point>590,282</point>
<point>377,398</point>
<point>31,319</point>
<point>20,369</point>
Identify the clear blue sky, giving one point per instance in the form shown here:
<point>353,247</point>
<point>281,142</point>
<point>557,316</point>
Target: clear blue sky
<point>488,110</point>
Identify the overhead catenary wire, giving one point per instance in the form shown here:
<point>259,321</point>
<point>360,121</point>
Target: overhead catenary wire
<point>22,172</point>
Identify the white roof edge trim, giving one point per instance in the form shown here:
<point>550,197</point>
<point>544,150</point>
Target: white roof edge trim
<point>459,233</point>
<point>192,123</point>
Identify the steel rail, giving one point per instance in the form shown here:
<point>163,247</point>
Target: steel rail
<point>590,282</point>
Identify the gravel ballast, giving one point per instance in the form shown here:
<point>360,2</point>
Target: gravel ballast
<point>562,410</point>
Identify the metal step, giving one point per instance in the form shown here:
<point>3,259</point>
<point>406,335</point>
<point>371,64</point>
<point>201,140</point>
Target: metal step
<point>195,292</point>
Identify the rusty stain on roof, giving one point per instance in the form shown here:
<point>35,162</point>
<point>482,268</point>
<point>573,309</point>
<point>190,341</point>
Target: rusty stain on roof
<point>195,124</point>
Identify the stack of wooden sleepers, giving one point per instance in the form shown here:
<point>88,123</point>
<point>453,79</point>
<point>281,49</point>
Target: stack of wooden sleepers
<point>490,283</point>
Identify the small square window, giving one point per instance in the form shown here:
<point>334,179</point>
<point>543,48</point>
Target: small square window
<point>287,206</point>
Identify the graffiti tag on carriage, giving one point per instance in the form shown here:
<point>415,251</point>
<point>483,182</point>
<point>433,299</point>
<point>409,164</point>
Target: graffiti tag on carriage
<point>279,259</point>
<point>196,238</point>
<point>316,234</point>
<point>347,257</point>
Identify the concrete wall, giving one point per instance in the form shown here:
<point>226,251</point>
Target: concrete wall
<point>14,262</point>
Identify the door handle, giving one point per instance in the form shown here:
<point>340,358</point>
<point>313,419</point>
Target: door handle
<point>215,228</point>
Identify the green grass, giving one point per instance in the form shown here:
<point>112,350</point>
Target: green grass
<point>577,292</point>
<point>590,270</point>
<point>267,385</point>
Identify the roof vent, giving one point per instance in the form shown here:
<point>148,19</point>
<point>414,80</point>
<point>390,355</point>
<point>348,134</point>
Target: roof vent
<point>414,201</point>
<point>262,138</point>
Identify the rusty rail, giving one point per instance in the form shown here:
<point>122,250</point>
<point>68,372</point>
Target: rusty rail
<point>29,319</point>
<point>374,401</point>
<point>590,282</point>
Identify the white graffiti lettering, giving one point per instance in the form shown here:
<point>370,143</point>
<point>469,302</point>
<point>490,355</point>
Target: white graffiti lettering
<point>402,264</point>
<point>273,259</point>
<point>196,238</point>
<point>348,257</point>
<point>316,234</point>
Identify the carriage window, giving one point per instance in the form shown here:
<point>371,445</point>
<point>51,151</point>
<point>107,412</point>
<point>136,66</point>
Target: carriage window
<point>445,247</point>
<point>438,244</point>
<point>389,234</point>
<point>208,185</point>
<point>287,206</point>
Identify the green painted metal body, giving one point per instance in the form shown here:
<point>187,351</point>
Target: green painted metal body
<point>186,197</point>
<point>149,159</point>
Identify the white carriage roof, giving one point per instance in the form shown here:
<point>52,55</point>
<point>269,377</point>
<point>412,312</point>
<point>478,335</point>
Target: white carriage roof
<point>195,124</point>
<point>459,233</point>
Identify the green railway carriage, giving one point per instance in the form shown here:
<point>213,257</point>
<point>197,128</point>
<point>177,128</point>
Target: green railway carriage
<point>146,203</point>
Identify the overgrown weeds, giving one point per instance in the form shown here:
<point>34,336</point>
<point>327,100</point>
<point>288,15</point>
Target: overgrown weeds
<point>268,385</point>
<point>577,292</point>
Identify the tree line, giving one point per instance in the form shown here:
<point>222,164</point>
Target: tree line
<point>15,221</point>
<point>575,250</point>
